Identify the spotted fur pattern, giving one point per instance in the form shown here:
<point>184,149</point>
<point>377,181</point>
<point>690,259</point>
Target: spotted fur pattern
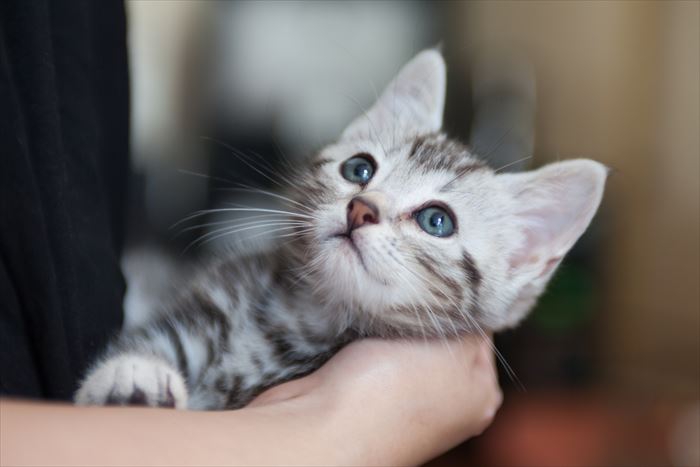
<point>246,323</point>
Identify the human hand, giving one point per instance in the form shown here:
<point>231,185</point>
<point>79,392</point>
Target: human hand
<point>401,402</point>
<point>376,402</point>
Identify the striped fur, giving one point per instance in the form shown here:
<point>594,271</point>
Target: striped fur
<point>246,323</point>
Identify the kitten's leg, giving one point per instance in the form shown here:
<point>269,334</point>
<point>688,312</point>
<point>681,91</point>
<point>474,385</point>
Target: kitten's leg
<point>145,366</point>
<point>133,379</point>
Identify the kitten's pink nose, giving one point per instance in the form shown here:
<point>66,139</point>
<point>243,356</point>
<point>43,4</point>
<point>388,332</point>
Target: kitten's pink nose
<point>361,212</point>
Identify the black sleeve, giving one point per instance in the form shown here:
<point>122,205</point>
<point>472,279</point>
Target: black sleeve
<point>63,167</point>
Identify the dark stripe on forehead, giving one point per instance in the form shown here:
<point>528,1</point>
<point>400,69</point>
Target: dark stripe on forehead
<point>417,144</point>
<point>437,152</point>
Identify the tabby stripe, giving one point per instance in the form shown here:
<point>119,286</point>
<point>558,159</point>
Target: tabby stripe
<point>474,279</point>
<point>174,338</point>
<point>211,352</point>
<point>471,272</point>
<point>234,394</point>
<point>257,362</point>
<point>274,332</point>
<point>427,263</point>
<point>417,143</point>
<point>285,352</point>
<point>221,384</point>
<point>215,316</point>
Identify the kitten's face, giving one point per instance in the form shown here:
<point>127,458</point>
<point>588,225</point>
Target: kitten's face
<point>419,236</point>
<point>403,244</point>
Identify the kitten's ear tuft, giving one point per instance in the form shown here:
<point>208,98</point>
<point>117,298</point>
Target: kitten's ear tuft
<point>421,86</point>
<point>411,105</point>
<point>552,208</point>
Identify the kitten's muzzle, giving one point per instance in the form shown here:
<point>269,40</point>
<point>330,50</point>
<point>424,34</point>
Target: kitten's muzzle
<point>361,212</point>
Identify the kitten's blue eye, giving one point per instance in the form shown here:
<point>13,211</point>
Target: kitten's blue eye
<point>436,221</point>
<point>358,169</point>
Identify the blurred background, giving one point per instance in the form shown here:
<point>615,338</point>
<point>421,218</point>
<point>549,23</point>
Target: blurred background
<point>609,362</point>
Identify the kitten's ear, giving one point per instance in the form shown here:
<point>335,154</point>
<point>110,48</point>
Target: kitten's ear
<point>412,104</point>
<point>552,208</point>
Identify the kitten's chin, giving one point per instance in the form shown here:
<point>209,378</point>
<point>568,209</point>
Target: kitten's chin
<point>356,263</point>
<point>345,278</point>
<point>344,275</point>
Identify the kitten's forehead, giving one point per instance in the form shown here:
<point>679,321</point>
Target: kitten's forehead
<point>436,152</point>
<point>434,159</point>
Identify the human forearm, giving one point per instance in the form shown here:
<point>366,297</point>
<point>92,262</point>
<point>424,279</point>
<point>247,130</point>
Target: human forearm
<point>40,434</point>
<point>374,403</point>
<point>301,431</point>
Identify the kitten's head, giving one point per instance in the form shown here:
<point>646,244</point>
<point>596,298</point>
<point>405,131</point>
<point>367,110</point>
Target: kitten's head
<point>417,235</point>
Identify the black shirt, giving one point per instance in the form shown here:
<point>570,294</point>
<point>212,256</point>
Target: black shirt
<point>63,166</point>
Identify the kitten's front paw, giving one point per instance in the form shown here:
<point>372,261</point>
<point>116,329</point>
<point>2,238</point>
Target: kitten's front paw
<point>133,380</point>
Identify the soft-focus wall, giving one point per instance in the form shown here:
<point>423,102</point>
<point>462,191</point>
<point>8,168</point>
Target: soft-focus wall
<point>618,82</point>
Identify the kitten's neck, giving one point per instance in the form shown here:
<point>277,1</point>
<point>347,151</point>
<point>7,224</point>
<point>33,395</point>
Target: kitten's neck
<point>294,287</point>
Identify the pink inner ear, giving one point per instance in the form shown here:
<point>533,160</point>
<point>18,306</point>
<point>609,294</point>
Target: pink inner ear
<point>546,231</point>
<point>527,254</point>
<point>537,253</point>
<point>552,206</point>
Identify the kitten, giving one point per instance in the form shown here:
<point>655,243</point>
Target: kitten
<point>396,231</point>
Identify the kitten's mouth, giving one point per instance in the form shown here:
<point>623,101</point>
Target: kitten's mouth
<point>346,237</point>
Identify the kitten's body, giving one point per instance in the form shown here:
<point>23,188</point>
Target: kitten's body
<point>359,261</point>
<point>232,338</point>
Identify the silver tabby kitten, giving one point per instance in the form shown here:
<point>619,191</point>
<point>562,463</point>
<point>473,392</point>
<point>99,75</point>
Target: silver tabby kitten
<point>400,232</point>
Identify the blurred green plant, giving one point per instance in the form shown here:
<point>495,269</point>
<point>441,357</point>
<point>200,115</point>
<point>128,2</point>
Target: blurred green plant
<point>568,302</point>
